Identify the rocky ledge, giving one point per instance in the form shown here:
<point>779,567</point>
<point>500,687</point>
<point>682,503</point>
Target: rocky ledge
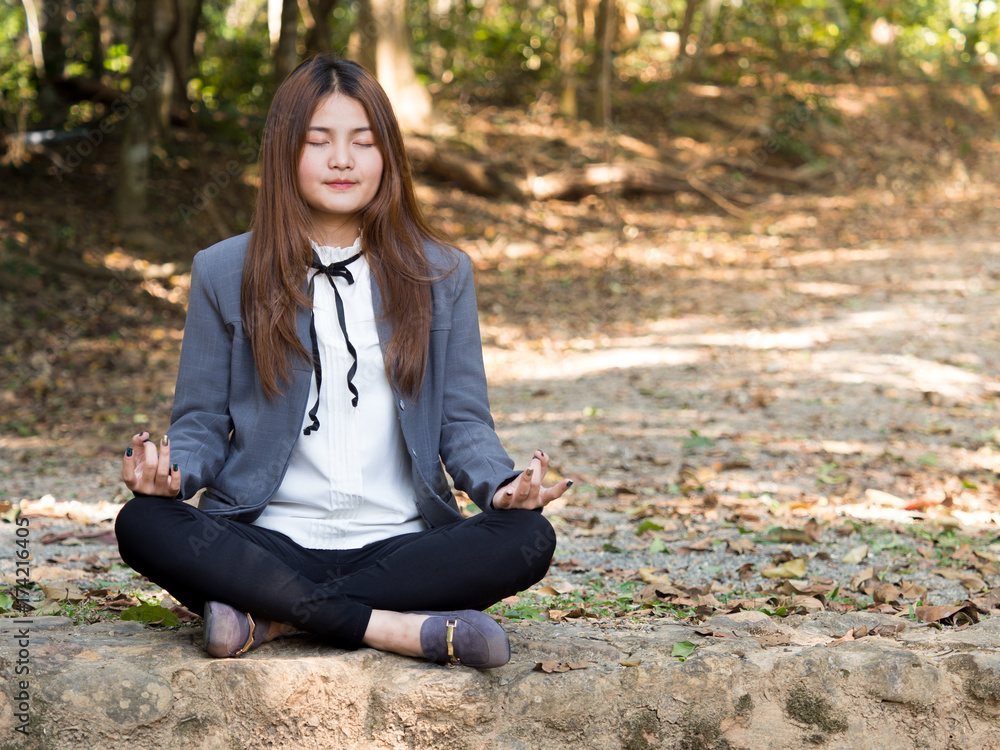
<point>853,681</point>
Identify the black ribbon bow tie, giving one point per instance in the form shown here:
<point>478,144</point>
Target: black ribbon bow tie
<point>340,268</point>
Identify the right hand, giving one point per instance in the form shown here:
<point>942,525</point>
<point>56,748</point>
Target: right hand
<point>147,472</point>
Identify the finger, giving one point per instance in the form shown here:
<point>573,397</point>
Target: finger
<point>163,463</point>
<point>128,468</point>
<point>556,491</point>
<point>175,479</point>
<point>145,473</point>
<point>139,440</point>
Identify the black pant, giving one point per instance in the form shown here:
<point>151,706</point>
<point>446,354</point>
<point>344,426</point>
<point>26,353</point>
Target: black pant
<point>469,564</point>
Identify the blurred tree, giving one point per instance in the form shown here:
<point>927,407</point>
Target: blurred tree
<point>382,44</point>
<point>286,55</point>
<point>570,52</point>
<point>147,107</point>
<point>319,37</point>
<point>606,31</point>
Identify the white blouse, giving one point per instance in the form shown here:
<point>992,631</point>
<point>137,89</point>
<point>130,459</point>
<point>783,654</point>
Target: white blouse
<point>348,483</point>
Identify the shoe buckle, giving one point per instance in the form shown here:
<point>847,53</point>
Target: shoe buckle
<point>452,624</point>
<point>249,643</point>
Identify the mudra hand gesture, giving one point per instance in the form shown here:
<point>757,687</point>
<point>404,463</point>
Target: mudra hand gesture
<point>148,472</point>
<point>526,490</point>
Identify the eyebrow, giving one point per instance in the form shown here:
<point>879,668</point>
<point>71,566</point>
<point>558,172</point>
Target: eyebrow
<point>354,131</point>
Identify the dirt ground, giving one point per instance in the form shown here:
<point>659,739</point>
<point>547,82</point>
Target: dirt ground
<point>830,356</point>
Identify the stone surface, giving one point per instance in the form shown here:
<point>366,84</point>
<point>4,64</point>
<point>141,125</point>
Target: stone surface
<point>122,685</point>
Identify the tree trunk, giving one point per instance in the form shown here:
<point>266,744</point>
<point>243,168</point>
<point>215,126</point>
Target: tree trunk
<point>569,53</point>
<point>45,27</point>
<point>319,38</point>
<point>686,24</point>
<point>144,126</point>
<point>286,54</point>
<point>92,22</point>
<point>607,30</point>
<point>361,47</point>
<point>179,49</point>
<point>382,45</point>
<point>709,18</point>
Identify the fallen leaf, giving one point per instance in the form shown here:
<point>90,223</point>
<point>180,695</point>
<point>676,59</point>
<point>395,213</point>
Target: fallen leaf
<point>848,636</point>
<point>740,546</point>
<point>878,497</point>
<point>700,546</point>
<point>683,649</point>
<point>812,529</point>
<point>792,569</point>
<point>650,575</point>
<point>632,662</point>
<point>151,614</point>
<point>62,592</point>
<point>787,536</point>
<point>856,555</point>
<point>886,593</point>
<point>550,667</point>
<point>912,590</point>
<point>954,614</point>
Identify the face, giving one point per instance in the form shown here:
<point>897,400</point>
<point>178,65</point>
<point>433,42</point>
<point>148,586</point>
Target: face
<point>340,169</point>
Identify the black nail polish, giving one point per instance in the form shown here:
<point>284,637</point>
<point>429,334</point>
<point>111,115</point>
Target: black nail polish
<point>173,467</point>
<point>569,484</point>
<point>128,452</point>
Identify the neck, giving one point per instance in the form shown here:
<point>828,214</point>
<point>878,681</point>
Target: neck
<point>336,234</point>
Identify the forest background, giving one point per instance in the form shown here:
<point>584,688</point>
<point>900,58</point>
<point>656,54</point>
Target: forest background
<point>730,177</point>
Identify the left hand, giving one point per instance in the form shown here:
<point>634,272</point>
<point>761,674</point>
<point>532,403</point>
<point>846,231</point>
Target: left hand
<point>526,490</point>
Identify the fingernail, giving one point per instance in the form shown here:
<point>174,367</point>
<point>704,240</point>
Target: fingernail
<point>173,467</point>
<point>529,472</point>
<point>569,484</point>
<point>165,441</point>
<point>510,492</point>
<point>128,452</point>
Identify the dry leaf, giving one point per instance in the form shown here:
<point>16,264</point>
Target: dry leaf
<point>700,546</point>
<point>886,593</point>
<point>792,569</point>
<point>788,536</point>
<point>955,615</point>
<point>650,575</point>
<point>550,667</point>
<point>812,529</point>
<point>856,555</point>
<point>631,662</point>
<point>848,636</point>
<point>912,590</point>
<point>741,546</point>
<point>61,591</point>
<point>877,497</point>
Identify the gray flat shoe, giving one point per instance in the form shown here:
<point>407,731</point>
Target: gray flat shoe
<point>229,632</point>
<point>467,637</point>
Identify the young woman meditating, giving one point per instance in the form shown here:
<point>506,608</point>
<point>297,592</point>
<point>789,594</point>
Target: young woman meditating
<point>331,372</point>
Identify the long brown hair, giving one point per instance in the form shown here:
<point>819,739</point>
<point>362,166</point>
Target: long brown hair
<point>278,253</point>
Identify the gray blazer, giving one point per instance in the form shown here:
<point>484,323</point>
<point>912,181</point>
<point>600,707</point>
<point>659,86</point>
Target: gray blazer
<point>229,438</point>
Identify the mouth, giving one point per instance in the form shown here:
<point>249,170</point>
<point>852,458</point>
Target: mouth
<point>340,184</point>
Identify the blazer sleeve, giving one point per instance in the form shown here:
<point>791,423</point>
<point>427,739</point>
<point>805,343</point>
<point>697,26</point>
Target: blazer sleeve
<point>470,448</point>
<point>200,423</point>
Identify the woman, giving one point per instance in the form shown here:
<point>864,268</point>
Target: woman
<point>331,364</point>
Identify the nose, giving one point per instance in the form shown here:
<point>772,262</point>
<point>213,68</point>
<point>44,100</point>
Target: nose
<point>340,156</point>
